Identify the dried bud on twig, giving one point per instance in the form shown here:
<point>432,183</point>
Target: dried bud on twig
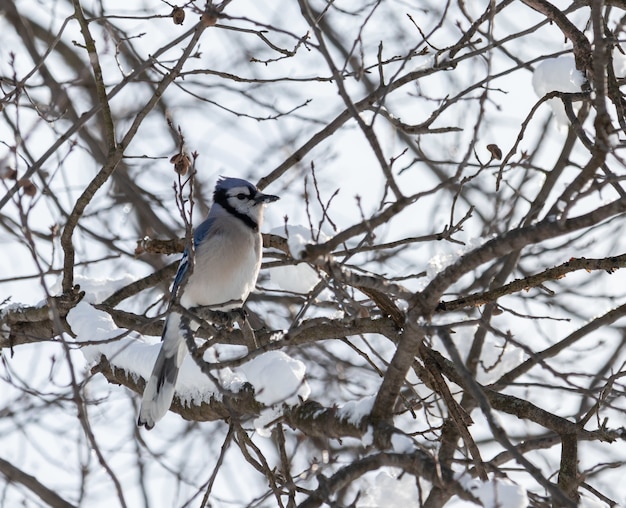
<point>495,151</point>
<point>8,173</point>
<point>178,15</point>
<point>209,18</point>
<point>181,163</point>
<point>27,186</point>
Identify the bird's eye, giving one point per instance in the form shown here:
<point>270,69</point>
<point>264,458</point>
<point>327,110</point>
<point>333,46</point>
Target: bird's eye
<point>241,196</point>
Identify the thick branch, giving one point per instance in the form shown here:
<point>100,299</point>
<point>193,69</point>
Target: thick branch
<point>15,475</point>
<point>609,264</point>
<point>310,417</point>
<point>238,405</point>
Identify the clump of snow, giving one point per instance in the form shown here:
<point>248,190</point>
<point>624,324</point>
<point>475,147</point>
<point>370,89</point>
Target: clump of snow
<point>442,260</point>
<point>558,75</point>
<point>429,62</point>
<point>299,278</point>
<point>15,307</point>
<point>96,290</point>
<point>95,326</point>
<point>298,237</point>
<point>355,410</point>
<point>391,489</point>
<point>135,356</point>
<point>402,443</point>
<point>277,379</point>
<point>495,493</point>
<point>439,262</point>
<point>263,423</point>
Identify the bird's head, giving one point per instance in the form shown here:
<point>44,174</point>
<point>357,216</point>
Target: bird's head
<point>242,199</point>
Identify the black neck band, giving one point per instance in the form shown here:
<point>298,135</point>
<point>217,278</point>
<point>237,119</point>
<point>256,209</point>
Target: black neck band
<point>220,198</point>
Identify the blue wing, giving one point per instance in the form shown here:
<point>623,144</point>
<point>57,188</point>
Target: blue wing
<point>201,232</point>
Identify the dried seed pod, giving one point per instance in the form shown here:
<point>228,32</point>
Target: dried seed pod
<point>27,187</point>
<point>181,163</point>
<point>178,15</point>
<point>495,151</point>
<point>209,18</point>
<point>8,173</point>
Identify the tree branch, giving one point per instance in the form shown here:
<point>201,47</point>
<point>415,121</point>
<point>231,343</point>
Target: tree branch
<point>609,265</point>
<point>13,474</point>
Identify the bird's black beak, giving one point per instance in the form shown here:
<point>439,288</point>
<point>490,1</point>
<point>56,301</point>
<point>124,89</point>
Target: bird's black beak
<point>265,198</point>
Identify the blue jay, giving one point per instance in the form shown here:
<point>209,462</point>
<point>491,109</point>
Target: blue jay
<point>227,260</point>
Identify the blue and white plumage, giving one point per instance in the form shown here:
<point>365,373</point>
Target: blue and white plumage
<point>227,259</point>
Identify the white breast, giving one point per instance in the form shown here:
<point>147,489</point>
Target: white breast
<point>226,266</point>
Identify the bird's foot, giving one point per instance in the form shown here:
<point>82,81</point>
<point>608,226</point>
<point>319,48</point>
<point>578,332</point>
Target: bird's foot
<point>226,319</point>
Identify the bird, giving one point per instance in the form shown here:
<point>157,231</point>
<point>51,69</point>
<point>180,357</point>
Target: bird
<point>227,259</point>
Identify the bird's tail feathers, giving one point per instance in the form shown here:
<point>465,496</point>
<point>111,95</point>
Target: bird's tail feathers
<point>159,391</point>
